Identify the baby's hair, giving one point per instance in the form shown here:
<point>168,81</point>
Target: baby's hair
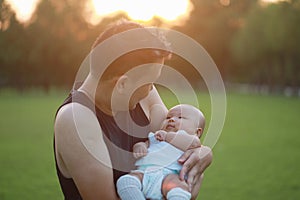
<point>202,117</point>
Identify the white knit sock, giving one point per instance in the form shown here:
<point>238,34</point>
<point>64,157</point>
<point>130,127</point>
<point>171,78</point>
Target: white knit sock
<point>130,188</point>
<point>178,194</point>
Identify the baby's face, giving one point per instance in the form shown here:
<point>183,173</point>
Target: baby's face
<point>181,118</point>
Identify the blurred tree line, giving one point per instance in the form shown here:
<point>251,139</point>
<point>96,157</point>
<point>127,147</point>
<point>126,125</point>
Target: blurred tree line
<point>250,42</point>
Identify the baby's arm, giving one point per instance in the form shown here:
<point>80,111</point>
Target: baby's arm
<point>140,149</point>
<point>182,141</point>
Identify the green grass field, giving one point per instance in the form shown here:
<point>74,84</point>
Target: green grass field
<point>256,157</point>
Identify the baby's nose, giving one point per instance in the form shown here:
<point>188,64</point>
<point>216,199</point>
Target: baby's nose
<point>171,119</point>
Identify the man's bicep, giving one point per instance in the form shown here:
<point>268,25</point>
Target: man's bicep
<point>78,132</point>
<point>157,115</point>
<point>84,153</point>
<point>94,179</point>
<point>152,99</point>
<point>155,109</point>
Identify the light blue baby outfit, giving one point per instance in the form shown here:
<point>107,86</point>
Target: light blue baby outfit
<point>160,161</point>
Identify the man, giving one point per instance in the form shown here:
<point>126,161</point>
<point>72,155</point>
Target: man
<point>94,126</point>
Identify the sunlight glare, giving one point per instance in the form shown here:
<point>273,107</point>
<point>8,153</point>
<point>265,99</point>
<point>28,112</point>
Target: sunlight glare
<point>104,8</point>
<point>272,1</point>
<point>141,10</point>
<point>225,2</point>
<point>23,8</point>
<point>268,2</point>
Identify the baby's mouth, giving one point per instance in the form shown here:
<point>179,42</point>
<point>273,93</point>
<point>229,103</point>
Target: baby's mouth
<point>170,127</point>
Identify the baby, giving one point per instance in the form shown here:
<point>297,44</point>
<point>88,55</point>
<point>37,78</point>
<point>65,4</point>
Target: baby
<point>157,173</point>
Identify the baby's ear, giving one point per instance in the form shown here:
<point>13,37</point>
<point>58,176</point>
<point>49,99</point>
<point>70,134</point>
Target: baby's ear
<point>199,132</point>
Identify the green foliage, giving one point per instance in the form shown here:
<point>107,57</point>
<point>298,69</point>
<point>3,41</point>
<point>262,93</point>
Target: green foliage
<point>57,34</point>
<point>11,47</point>
<point>213,25</point>
<point>249,42</point>
<point>268,45</point>
<point>49,50</point>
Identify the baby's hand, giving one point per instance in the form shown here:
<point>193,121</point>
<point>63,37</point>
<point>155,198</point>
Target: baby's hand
<point>160,135</point>
<point>139,150</point>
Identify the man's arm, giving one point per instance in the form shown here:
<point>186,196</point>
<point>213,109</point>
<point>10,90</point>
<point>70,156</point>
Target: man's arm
<point>81,149</point>
<point>195,161</point>
<point>155,109</point>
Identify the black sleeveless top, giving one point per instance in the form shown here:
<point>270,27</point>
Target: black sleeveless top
<point>118,142</point>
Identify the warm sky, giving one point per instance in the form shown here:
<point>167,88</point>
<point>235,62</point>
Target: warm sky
<point>144,10</point>
<point>168,10</point>
<point>23,8</point>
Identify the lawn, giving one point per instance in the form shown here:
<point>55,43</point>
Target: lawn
<point>256,157</point>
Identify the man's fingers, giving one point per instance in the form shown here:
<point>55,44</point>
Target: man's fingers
<point>190,162</point>
<point>193,177</point>
<point>194,161</point>
<point>195,186</point>
<point>185,156</point>
<point>190,179</point>
<point>186,166</point>
<point>205,157</point>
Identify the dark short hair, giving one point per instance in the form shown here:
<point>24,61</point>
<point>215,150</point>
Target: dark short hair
<point>134,58</point>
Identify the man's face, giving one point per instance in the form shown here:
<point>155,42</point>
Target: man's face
<point>143,82</point>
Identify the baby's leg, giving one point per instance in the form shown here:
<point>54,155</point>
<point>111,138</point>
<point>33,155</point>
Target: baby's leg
<point>129,186</point>
<point>175,189</point>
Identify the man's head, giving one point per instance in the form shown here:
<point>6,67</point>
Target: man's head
<point>185,117</point>
<point>134,72</point>
<point>134,58</point>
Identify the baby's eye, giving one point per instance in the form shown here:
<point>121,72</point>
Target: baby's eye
<point>180,117</point>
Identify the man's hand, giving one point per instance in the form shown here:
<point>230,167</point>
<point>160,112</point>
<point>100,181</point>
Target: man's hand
<point>194,162</point>
<point>139,150</point>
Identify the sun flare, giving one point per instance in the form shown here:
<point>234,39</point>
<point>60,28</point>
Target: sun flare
<point>171,11</point>
<point>272,1</point>
<point>142,10</point>
<point>23,8</point>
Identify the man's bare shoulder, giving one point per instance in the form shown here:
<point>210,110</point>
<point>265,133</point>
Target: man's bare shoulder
<point>77,126</point>
<point>74,117</point>
<point>69,112</point>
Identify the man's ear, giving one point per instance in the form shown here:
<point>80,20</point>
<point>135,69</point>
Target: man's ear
<point>122,83</point>
<point>199,132</point>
